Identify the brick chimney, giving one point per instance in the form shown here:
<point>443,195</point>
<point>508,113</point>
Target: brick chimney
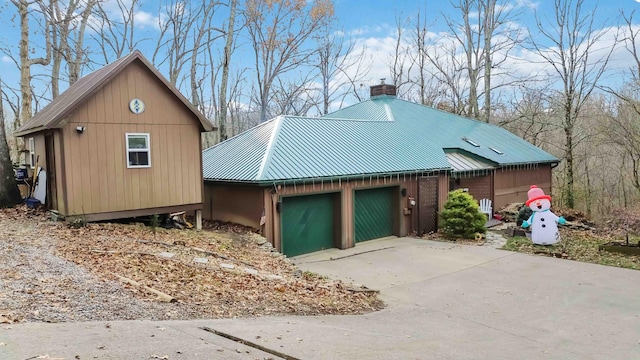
<point>383,89</point>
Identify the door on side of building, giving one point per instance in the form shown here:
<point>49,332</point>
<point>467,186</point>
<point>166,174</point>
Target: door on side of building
<point>52,194</point>
<point>427,204</point>
<point>373,213</point>
<point>308,223</point>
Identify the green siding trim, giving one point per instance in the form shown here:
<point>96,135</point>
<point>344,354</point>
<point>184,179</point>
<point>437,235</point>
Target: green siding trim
<point>373,213</point>
<point>307,223</point>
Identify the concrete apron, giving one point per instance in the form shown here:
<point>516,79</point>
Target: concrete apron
<point>455,301</point>
<point>385,264</point>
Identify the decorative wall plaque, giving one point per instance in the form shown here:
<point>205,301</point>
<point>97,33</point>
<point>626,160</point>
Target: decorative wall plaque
<point>136,106</point>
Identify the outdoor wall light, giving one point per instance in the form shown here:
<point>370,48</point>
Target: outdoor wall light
<point>80,129</point>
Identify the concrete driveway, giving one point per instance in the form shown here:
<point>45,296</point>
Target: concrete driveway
<point>444,301</point>
<point>449,301</point>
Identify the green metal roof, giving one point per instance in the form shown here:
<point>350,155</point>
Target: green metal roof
<point>447,130</point>
<point>290,147</point>
<point>383,135</point>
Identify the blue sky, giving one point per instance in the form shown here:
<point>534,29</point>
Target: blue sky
<point>370,22</point>
<point>366,13</point>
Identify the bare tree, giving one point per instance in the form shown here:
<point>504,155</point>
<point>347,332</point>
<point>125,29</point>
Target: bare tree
<point>572,57</point>
<point>23,7</point>
<point>173,48</point>
<point>294,97</point>
<point>447,68</point>
<point>279,30</point>
<point>532,115</point>
<point>623,131</point>
<point>115,33</point>
<point>226,65</point>
<point>67,38</point>
<point>486,41</point>
<point>184,35</point>
<point>469,35</point>
<point>339,65</point>
<point>9,193</point>
<point>428,86</point>
<point>398,61</point>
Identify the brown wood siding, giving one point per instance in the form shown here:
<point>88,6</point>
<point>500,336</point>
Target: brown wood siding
<point>244,204</point>
<point>40,151</point>
<point>233,203</point>
<point>403,224</point>
<point>511,185</point>
<point>480,187</point>
<point>60,165</point>
<point>443,191</point>
<point>96,173</point>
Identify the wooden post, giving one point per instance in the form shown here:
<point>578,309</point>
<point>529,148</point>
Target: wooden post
<point>199,219</point>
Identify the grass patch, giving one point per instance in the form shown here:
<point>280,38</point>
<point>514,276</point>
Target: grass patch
<point>576,245</point>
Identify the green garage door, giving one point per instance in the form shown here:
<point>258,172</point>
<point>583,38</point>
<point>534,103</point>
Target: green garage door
<point>307,224</point>
<point>373,213</point>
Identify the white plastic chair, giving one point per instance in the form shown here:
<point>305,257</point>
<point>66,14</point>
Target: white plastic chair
<point>485,207</point>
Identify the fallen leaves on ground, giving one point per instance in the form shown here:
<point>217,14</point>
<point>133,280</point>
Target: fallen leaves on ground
<point>576,245</point>
<point>258,283</point>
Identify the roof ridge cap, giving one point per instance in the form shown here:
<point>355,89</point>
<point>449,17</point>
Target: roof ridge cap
<point>389,113</point>
<point>266,159</point>
<point>252,129</point>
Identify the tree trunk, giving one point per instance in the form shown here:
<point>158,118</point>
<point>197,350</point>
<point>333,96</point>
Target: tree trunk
<point>488,34</point>
<point>77,59</point>
<point>588,199</point>
<point>25,68</point>
<point>26,62</point>
<point>569,192</point>
<point>9,193</point>
<point>222,126</point>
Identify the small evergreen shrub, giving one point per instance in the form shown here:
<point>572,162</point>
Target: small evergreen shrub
<point>461,217</point>
<point>523,215</point>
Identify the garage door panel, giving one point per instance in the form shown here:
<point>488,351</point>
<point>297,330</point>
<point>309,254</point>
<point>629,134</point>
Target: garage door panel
<point>373,213</point>
<point>307,224</point>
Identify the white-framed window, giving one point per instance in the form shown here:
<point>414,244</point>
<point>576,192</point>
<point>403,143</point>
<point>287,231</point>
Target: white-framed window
<point>31,146</point>
<point>138,150</point>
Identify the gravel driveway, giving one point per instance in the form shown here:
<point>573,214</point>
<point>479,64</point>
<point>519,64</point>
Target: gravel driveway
<point>37,285</point>
<point>50,272</point>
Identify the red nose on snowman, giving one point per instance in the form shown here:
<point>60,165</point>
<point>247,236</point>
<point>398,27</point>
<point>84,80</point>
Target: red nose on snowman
<point>535,193</point>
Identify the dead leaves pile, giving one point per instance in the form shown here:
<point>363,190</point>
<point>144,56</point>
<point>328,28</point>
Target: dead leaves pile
<point>576,245</point>
<point>215,274</point>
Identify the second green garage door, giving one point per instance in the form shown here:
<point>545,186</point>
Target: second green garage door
<point>373,213</point>
<point>307,223</point>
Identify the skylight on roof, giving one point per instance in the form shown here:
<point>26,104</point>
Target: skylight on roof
<point>496,151</point>
<point>471,142</point>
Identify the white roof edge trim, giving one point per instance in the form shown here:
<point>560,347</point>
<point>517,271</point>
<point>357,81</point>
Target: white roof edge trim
<point>267,153</point>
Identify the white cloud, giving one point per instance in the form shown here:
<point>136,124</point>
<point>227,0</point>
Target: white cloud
<point>143,19</point>
<point>360,31</point>
<point>6,59</point>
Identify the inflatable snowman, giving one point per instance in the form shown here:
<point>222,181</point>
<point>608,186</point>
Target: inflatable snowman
<point>544,230</point>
